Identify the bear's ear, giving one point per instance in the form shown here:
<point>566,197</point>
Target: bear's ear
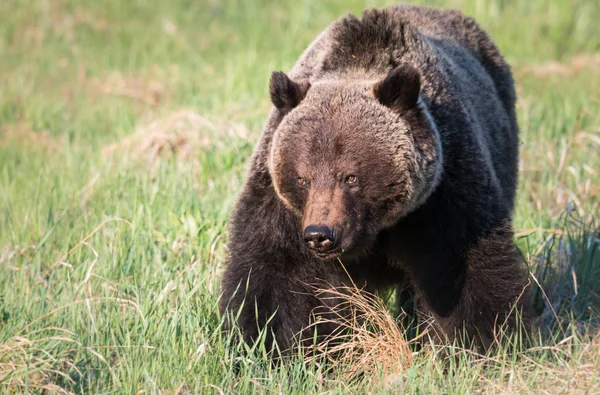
<point>285,93</point>
<point>399,90</point>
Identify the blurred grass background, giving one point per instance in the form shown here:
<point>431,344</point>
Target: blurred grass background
<point>124,131</point>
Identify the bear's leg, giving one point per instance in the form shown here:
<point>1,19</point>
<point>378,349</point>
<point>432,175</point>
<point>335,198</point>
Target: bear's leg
<point>496,291</point>
<point>282,303</point>
<point>470,293</point>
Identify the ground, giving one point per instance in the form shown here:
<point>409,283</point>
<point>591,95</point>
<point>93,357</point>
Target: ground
<point>124,133</point>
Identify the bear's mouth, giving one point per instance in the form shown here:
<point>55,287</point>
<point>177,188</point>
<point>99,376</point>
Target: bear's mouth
<point>329,255</point>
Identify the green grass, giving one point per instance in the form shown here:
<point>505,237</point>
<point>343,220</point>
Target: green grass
<point>132,307</point>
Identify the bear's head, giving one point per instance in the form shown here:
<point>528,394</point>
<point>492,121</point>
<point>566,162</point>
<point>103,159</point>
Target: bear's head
<point>352,157</point>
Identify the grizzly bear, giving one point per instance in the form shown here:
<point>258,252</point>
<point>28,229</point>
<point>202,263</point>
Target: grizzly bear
<point>389,158</point>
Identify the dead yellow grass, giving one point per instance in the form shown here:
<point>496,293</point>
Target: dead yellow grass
<point>181,134</point>
<point>370,341</point>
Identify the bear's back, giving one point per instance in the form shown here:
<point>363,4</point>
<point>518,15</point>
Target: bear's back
<point>382,38</point>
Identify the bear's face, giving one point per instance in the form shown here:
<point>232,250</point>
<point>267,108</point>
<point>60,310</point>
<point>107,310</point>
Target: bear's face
<point>349,165</point>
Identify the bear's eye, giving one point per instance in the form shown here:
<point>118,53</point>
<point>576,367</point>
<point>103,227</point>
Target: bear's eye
<point>302,181</point>
<point>352,180</point>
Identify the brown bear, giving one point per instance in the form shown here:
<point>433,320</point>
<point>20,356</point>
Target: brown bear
<point>392,148</point>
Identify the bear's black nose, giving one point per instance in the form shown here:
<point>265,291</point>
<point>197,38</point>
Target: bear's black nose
<point>319,238</point>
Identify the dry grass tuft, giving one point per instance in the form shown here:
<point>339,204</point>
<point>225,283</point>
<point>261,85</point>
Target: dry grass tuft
<point>180,134</point>
<point>370,341</point>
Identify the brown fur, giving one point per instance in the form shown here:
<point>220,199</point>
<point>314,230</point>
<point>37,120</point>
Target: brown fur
<point>417,105</point>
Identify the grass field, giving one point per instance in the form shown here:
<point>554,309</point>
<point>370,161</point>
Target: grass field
<point>125,127</point>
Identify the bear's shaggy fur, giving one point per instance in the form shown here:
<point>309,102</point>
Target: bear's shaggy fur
<point>394,139</point>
